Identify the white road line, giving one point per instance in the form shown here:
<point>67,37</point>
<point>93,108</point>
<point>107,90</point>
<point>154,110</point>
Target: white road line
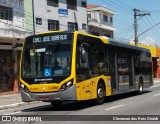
<point>156,94</point>
<point>115,107</point>
<point>12,113</point>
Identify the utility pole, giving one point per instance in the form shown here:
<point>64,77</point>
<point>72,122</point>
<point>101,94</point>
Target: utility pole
<point>135,27</point>
<point>141,14</point>
<point>33,17</point>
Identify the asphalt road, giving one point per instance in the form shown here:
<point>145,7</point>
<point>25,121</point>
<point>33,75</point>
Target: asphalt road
<point>141,107</point>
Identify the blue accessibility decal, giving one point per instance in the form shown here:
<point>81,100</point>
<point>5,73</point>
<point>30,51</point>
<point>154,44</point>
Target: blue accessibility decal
<point>47,72</point>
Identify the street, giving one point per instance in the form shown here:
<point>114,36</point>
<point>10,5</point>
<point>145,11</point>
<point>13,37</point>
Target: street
<point>125,104</point>
<point>68,50</point>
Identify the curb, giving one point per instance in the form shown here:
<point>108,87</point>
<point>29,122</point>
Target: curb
<point>17,104</point>
<point>11,105</point>
<point>155,82</point>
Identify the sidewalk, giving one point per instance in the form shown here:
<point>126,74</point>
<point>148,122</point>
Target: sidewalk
<point>156,80</point>
<point>10,101</point>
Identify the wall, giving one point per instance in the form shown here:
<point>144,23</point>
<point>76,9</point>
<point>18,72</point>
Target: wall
<point>15,28</point>
<point>28,15</point>
<point>49,12</point>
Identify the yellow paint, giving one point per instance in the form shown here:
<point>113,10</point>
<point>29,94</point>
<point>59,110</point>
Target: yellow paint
<point>151,48</point>
<point>85,90</point>
<point>157,51</point>
<point>52,87</point>
<point>48,32</point>
<point>88,89</point>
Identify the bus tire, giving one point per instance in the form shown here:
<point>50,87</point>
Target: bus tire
<point>140,91</point>
<point>56,103</point>
<point>100,94</point>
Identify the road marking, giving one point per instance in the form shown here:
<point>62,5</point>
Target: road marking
<point>12,113</point>
<point>115,107</point>
<point>156,94</point>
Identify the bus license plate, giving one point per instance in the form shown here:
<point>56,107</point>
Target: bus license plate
<point>44,98</point>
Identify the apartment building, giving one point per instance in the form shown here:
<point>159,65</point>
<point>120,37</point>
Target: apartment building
<point>100,21</point>
<point>12,34</point>
<point>68,15</point>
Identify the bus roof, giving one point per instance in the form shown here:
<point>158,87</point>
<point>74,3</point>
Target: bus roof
<point>104,39</point>
<point>120,44</point>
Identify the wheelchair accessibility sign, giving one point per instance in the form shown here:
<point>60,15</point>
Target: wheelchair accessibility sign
<point>47,72</point>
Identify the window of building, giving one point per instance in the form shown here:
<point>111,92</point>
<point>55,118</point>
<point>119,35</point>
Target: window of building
<point>105,18</point>
<point>53,25</point>
<point>52,3</point>
<point>83,4</point>
<point>6,13</point>
<point>84,26</point>
<point>89,16</point>
<point>72,4</point>
<point>111,19</point>
<point>72,26</point>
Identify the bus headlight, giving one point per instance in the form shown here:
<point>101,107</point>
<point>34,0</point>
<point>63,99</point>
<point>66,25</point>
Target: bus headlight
<point>66,85</point>
<point>24,88</point>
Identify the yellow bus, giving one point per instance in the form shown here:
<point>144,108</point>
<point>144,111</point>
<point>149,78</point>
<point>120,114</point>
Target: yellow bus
<point>60,66</point>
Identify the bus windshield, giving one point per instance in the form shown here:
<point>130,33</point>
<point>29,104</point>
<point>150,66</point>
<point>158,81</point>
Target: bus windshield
<point>46,60</point>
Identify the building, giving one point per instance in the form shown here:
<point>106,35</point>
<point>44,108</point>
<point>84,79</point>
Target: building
<point>155,54</point>
<point>100,21</point>
<point>65,15</point>
<point>12,33</point>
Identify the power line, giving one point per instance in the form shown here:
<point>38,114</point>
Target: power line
<point>140,14</point>
<point>149,29</point>
<point>155,30</point>
<point>122,6</point>
<point>125,5</point>
<point>125,30</point>
<point>122,20</point>
<point>116,7</point>
<point>154,22</point>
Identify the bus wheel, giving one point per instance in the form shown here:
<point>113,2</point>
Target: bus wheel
<point>56,103</point>
<point>140,86</point>
<point>100,94</point>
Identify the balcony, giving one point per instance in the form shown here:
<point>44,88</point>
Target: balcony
<point>101,24</point>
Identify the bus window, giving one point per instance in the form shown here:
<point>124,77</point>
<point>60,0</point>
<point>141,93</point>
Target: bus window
<point>83,63</point>
<point>122,64</point>
<point>109,61</point>
<point>41,59</point>
<point>98,59</point>
<point>84,57</point>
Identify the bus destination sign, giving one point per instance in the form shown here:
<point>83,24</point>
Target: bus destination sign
<point>41,39</point>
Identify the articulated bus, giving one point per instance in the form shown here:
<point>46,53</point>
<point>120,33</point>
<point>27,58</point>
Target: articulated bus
<point>61,66</point>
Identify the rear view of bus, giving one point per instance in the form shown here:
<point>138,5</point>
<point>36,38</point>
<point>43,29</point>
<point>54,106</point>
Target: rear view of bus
<point>45,69</point>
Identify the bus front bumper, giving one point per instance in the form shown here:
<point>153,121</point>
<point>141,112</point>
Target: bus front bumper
<point>69,94</point>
